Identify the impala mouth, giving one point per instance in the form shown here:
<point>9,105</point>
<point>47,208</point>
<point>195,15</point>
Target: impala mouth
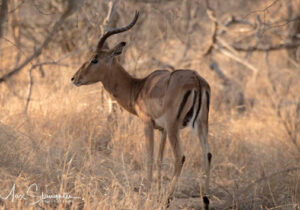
<point>76,83</point>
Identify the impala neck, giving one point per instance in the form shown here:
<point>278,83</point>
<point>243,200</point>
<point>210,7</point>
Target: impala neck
<point>122,86</point>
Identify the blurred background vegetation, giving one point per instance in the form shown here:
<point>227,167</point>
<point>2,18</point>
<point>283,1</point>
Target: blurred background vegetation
<point>78,141</point>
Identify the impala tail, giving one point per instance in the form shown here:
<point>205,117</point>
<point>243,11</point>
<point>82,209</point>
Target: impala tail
<point>201,128</point>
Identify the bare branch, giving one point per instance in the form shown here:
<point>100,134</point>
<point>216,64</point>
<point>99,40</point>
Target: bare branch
<point>71,7</point>
<point>270,47</point>
<point>261,10</point>
<point>214,29</point>
<point>267,47</point>
<point>17,7</point>
<point>215,67</point>
<point>234,20</point>
<point>107,19</point>
<point>238,59</point>
<point>214,38</point>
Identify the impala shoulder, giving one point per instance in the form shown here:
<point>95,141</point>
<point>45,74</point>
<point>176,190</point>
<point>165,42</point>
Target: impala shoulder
<point>158,72</point>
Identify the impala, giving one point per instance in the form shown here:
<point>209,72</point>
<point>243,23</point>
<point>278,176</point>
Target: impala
<point>164,100</point>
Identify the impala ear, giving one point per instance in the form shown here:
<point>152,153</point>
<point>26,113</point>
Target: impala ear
<point>117,50</point>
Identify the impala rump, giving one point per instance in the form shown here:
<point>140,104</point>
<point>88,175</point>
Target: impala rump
<point>185,97</point>
<point>191,113</point>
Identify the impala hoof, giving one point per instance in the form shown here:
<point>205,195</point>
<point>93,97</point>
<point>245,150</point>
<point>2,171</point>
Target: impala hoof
<point>169,202</point>
<point>206,202</point>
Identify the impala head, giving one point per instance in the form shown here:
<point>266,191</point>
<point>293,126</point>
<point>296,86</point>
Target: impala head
<point>95,68</point>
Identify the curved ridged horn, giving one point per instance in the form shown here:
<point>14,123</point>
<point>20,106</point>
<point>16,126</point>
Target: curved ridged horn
<point>116,31</point>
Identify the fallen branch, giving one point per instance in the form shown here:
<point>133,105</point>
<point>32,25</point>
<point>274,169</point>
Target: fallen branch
<point>267,47</point>
<point>238,59</point>
<point>215,67</point>
<point>71,7</point>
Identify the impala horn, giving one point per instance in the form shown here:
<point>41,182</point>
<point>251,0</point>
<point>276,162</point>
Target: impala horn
<point>116,31</point>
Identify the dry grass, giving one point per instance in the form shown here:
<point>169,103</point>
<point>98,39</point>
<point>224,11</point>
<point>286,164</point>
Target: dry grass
<point>68,143</point>
<point>74,147</point>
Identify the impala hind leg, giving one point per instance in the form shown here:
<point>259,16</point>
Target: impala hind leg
<point>207,156</point>
<point>202,132</point>
<point>178,163</point>
<point>162,144</point>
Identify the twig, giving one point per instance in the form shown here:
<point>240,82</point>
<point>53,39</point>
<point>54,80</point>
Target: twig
<point>37,7</point>
<point>170,23</point>
<point>14,44</point>
<point>48,63</point>
<point>282,23</point>
<point>261,10</point>
<point>29,90</point>
<point>71,7</point>
<point>41,69</point>
<point>293,62</point>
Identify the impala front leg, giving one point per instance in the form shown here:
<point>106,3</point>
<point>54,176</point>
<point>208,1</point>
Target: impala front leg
<point>149,147</point>
<point>162,144</point>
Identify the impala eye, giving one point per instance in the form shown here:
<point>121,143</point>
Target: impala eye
<point>94,61</point>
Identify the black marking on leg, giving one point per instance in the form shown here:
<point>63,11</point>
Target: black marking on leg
<point>206,202</point>
<point>169,201</point>
<point>199,106</point>
<point>183,160</point>
<point>185,97</point>
<point>208,100</point>
<point>190,113</point>
<point>209,156</point>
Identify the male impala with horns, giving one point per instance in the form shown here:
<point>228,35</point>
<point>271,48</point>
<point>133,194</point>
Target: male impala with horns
<point>163,100</point>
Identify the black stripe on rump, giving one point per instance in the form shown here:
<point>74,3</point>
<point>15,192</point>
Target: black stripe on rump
<point>185,97</point>
<point>190,113</point>
<point>199,106</point>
